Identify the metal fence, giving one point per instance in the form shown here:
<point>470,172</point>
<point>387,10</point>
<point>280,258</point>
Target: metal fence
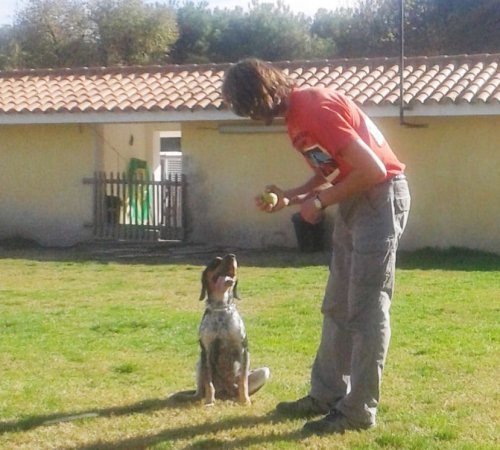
<point>138,208</point>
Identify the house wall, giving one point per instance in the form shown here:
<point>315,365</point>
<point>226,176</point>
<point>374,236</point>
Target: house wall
<point>120,142</point>
<point>453,168</point>
<point>42,196</point>
<point>225,172</point>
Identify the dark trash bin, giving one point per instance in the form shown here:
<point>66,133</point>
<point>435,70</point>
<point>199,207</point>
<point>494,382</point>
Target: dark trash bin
<point>113,207</point>
<point>309,236</point>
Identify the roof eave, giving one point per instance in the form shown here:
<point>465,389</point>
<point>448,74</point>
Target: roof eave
<point>448,110</point>
<point>115,117</point>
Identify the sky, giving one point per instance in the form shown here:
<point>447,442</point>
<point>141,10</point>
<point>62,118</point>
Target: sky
<point>309,7</point>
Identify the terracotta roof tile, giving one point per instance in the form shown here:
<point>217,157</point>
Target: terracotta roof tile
<point>441,80</point>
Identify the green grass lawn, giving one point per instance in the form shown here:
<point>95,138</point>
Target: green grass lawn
<point>93,344</point>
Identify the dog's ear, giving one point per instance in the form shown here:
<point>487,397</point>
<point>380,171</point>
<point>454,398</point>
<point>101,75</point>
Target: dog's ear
<point>211,266</point>
<point>236,295</point>
<point>203,292</point>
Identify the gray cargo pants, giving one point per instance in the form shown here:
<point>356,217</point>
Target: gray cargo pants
<point>356,331</point>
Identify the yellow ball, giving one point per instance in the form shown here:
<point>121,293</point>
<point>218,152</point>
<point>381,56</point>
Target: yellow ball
<point>270,198</point>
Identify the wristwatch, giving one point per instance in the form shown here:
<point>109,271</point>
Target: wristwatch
<point>317,203</point>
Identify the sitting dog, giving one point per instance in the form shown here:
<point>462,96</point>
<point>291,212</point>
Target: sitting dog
<point>223,369</point>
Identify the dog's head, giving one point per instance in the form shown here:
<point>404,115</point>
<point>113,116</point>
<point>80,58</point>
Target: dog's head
<point>219,280</point>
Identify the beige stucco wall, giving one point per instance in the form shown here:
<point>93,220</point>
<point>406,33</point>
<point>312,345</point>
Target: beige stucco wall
<point>42,196</point>
<point>120,142</point>
<point>225,172</point>
<point>453,166</point>
<point>454,170</point>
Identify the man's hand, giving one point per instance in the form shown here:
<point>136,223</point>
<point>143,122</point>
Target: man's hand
<point>282,200</point>
<point>310,213</point>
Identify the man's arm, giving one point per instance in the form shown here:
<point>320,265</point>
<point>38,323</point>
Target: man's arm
<point>367,171</point>
<point>299,194</point>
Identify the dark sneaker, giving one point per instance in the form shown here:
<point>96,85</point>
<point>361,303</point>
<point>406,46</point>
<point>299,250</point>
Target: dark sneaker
<point>304,407</point>
<point>333,422</point>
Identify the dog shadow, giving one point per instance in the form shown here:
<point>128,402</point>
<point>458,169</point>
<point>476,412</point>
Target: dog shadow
<point>175,401</point>
<point>144,406</point>
<point>202,430</point>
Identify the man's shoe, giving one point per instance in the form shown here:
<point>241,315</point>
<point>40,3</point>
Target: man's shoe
<point>305,407</point>
<point>333,422</point>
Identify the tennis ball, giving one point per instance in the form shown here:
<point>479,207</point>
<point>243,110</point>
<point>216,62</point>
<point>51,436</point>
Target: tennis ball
<point>270,198</point>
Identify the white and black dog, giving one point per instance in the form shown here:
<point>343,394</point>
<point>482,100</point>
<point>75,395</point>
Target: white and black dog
<point>224,367</point>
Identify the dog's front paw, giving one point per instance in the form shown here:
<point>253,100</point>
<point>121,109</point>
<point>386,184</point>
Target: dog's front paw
<point>209,394</point>
<point>245,401</point>
<point>209,401</point>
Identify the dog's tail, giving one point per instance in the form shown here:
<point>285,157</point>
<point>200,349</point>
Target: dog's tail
<point>183,397</point>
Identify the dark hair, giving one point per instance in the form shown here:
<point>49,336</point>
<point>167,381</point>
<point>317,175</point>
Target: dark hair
<point>254,88</point>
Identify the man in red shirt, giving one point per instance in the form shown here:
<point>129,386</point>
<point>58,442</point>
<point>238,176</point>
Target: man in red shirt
<point>354,168</point>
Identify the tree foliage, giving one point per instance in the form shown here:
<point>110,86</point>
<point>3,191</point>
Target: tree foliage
<point>459,26</point>
<point>69,33</point>
<point>432,27</point>
<point>196,28</point>
<point>131,31</point>
<point>268,31</point>
<point>52,33</point>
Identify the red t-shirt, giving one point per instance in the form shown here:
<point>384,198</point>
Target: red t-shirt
<point>321,122</point>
